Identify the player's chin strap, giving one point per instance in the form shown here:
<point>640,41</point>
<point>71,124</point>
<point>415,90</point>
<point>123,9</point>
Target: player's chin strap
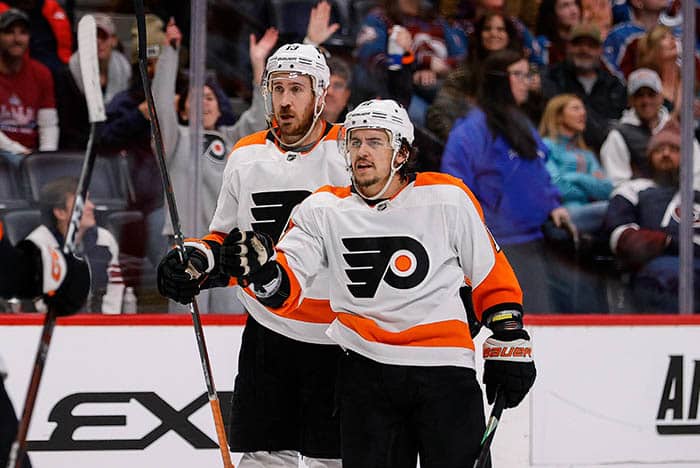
<point>377,196</point>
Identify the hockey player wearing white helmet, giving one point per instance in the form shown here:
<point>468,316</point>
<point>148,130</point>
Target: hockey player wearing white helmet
<point>397,246</point>
<point>294,89</point>
<point>283,403</point>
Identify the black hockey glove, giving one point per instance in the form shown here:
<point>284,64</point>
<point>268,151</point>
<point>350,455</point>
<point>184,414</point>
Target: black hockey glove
<point>243,255</point>
<point>63,281</point>
<point>181,281</point>
<point>71,295</point>
<point>508,362</point>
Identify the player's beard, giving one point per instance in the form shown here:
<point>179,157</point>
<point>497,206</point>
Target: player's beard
<point>368,182</point>
<point>293,132</point>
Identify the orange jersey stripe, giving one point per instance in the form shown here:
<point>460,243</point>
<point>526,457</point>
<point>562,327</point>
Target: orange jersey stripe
<point>310,310</point>
<point>448,333</point>
<point>215,236</point>
<point>340,192</point>
<point>290,305</point>
<point>257,138</point>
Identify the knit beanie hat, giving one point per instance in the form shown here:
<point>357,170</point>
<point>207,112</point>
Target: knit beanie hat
<point>669,135</point>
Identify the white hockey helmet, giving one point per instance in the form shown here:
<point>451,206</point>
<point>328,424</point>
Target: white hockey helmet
<point>379,114</point>
<point>298,59</point>
<point>303,59</point>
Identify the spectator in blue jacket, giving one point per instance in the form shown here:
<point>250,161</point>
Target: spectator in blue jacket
<point>499,155</point>
<point>573,167</point>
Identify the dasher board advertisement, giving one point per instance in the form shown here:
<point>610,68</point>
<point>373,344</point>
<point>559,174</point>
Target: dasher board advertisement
<point>128,391</point>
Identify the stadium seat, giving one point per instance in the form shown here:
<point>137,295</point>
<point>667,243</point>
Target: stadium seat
<point>11,194</point>
<point>19,223</point>
<point>107,186</point>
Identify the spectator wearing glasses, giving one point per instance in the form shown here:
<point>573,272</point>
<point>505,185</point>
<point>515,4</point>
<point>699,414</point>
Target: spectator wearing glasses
<point>339,90</point>
<point>499,155</point>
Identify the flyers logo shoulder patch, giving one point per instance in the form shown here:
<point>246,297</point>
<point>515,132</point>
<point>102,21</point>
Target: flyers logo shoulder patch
<point>214,146</point>
<point>272,210</point>
<point>402,262</point>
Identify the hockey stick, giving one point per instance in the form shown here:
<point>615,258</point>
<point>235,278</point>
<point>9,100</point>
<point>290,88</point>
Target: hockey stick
<point>485,453</point>
<point>179,241</point>
<point>89,68</point>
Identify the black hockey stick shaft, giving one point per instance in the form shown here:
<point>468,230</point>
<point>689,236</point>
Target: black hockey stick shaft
<point>177,230</point>
<point>87,41</point>
<point>491,425</point>
<point>19,447</point>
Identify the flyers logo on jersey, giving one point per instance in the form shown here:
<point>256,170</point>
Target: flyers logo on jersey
<point>402,262</point>
<point>273,209</point>
<point>214,146</point>
<point>55,265</point>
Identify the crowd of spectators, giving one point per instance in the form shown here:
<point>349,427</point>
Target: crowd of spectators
<point>560,115</point>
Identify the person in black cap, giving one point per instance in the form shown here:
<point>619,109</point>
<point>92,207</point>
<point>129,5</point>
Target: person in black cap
<point>51,31</point>
<point>27,102</point>
<point>582,74</point>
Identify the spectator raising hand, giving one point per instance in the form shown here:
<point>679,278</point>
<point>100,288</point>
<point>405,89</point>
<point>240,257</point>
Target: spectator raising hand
<point>173,35</point>
<point>259,50</point>
<point>320,29</point>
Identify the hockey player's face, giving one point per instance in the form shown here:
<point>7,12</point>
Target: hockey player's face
<point>293,105</point>
<point>370,156</point>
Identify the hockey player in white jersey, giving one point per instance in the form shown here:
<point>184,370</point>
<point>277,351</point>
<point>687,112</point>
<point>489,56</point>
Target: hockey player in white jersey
<point>283,403</point>
<point>398,246</point>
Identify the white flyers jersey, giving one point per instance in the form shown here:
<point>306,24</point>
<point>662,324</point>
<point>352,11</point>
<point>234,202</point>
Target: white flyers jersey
<point>396,268</point>
<point>262,184</point>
